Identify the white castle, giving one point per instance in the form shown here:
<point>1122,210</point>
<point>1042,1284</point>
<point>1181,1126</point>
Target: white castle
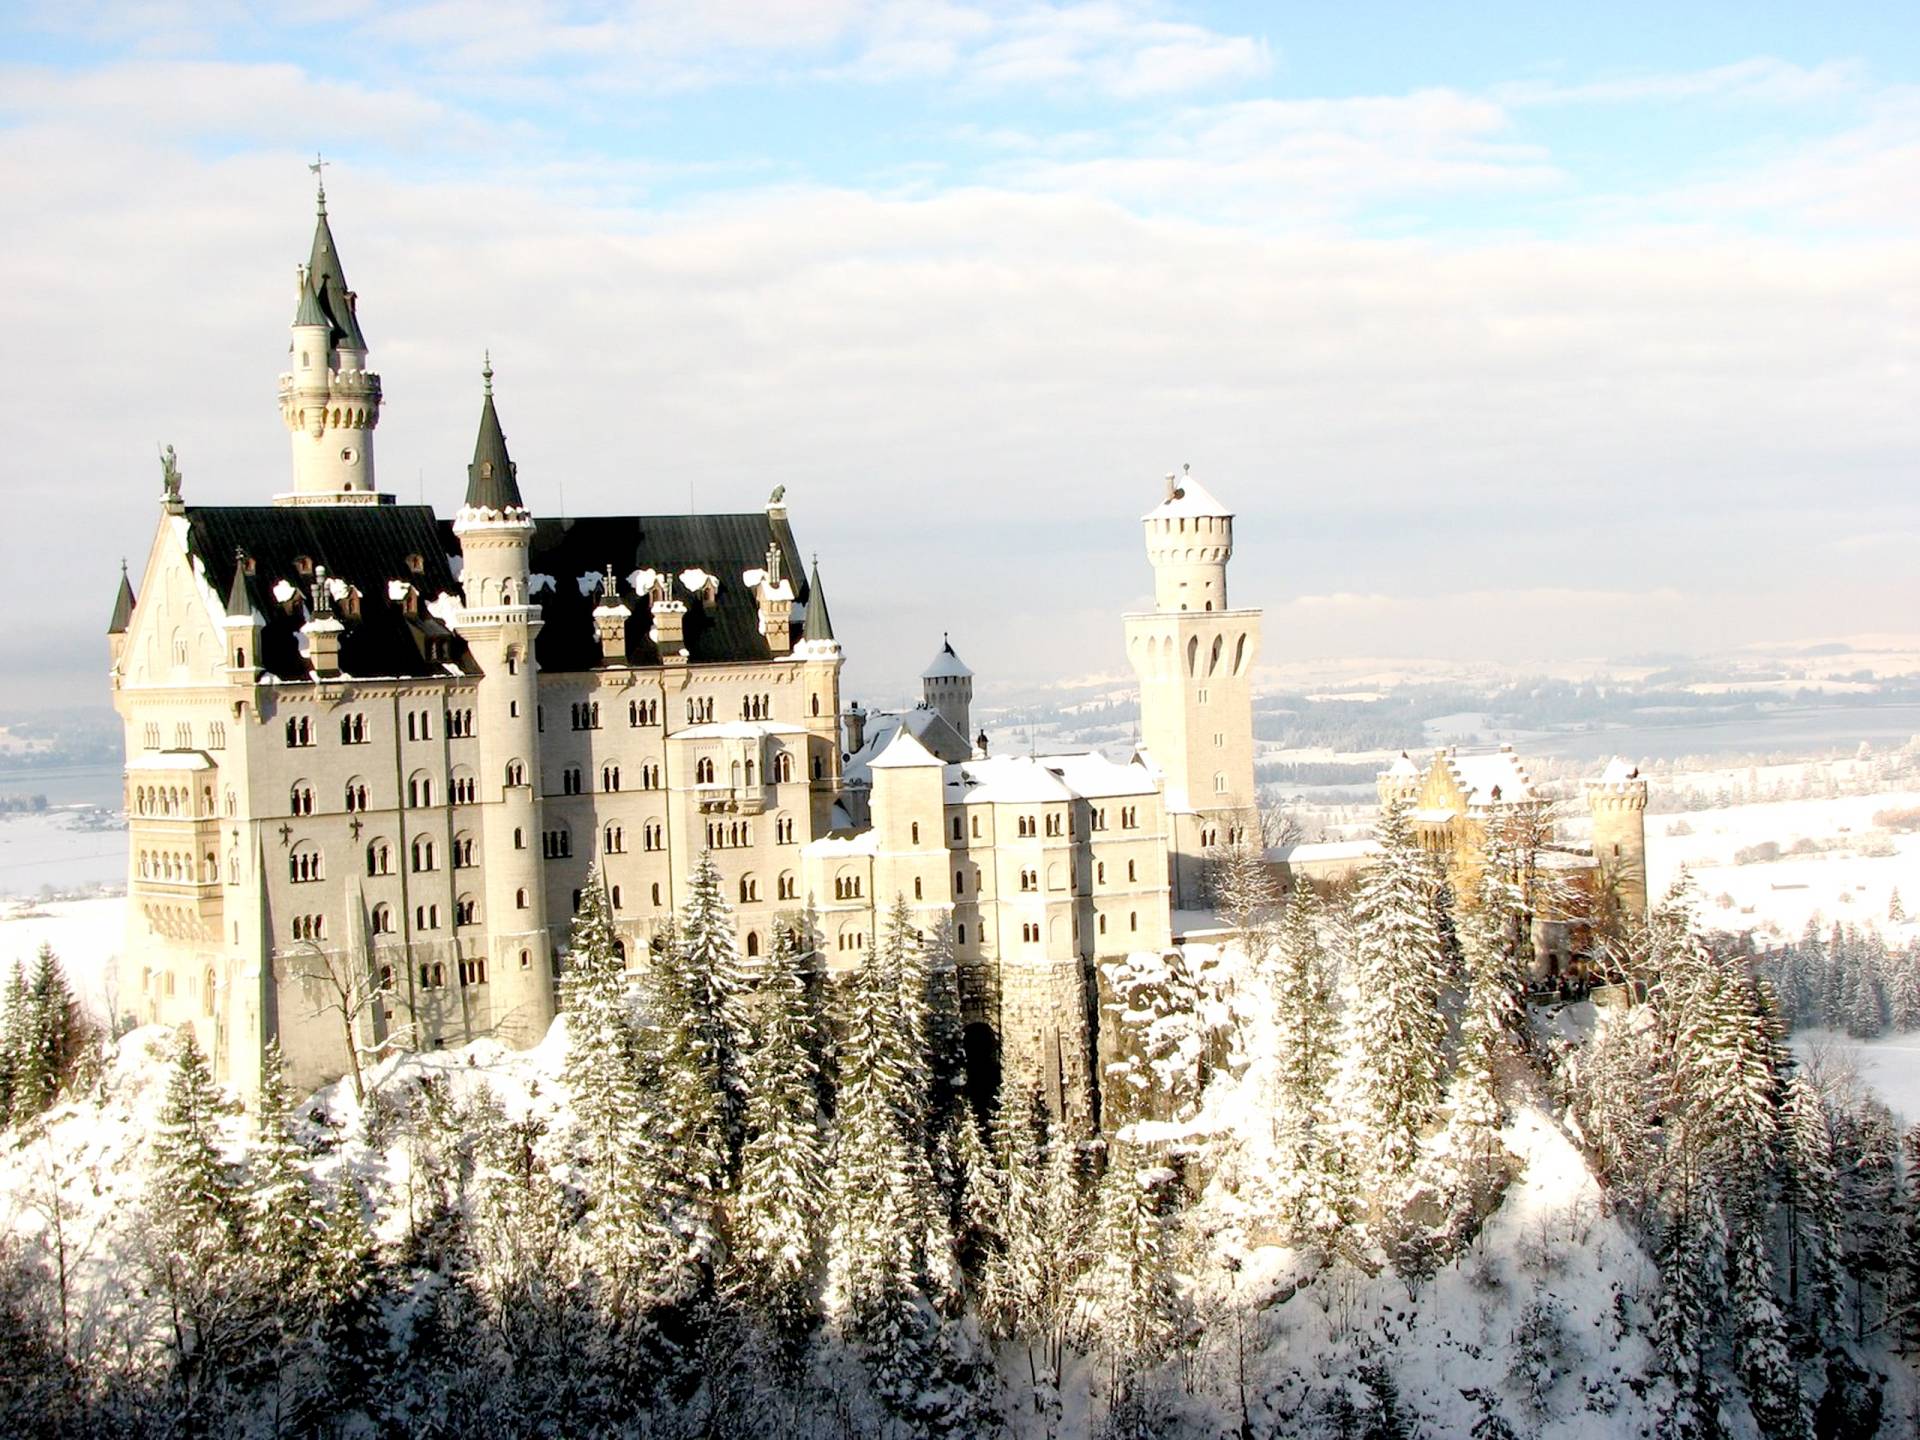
<point>373,749</point>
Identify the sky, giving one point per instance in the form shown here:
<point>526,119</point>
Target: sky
<point>1510,332</point>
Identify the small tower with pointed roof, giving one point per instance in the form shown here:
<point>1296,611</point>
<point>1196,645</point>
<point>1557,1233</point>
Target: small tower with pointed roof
<point>499,621</point>
<point>329,399</point>
<point>1617,799</point>
<point>946,686</point>
<point>121,619</point>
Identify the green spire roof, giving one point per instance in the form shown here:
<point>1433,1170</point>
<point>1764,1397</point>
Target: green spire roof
<point>328,281</point>
<point>309,310</point>
<point>819,623</point>
<point>492,482</point>
<point>122,605</point>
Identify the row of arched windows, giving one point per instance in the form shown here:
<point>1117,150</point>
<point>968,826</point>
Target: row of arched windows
<point>177,867</point>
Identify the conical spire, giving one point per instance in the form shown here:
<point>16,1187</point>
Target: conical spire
<point>122,605</point>
<point>309,310</point>
<point>240,594</point>
<point>491,480</point>
<point>819,623</point>
<point>328,281</point>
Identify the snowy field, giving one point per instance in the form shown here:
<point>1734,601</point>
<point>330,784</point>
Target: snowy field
<point>87,935</point>
<point>1888,1066</point>
<point>61,851</point>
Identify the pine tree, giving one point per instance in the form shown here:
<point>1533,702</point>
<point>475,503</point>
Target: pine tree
<point>1307,1172</point>
<point>285,1225</point>
<point>1896,911</point>
<point>54,1034</point>
<point>1903,989</point>
<point>777,1207</point>
<point>945,1031</point>
<point>629,1235</point>
<point>14,1032</point>
<point>1141,1313</point>
<point>1399,1032</point>
<point>874,1293</point>
<point>1762,1357</point>
<point>1809,1190</point>
<point>1690,1240</point>
<point>718,1028</point>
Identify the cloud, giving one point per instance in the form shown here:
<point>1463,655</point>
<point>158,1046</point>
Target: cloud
<point>1758,80</point>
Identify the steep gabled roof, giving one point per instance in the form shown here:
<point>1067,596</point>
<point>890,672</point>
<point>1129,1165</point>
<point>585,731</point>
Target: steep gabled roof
<point>366,547</point>
<point>122,605</point>
<point>240,600</point>
<point>723,626</point>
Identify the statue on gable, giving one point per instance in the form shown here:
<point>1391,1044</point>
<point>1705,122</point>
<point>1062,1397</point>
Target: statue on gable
<point>169,474</point>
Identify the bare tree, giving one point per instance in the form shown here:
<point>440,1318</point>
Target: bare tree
<point>345,984</point>
<point>1279,826</point>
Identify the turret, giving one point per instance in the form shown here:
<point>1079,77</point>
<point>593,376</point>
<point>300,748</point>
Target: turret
<point>1618,801</point>
<point>329,400</point>
<point>499,622</point>
<point>244,624</point>
<point>946,685</point>
<point>1399,783</point>
<point>1189,541</point>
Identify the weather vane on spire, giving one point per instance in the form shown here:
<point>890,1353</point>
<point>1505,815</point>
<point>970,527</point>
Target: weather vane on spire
<point>319,180</point>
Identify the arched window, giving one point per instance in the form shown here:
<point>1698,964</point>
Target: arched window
<point>520,903</point>
<point>516,774</point>
<point>916,832</point>
<point>1103,924</point>
<point>356,794</point>
<point>753,944</point>
<point>300,798</point>
<point>916,889</point>
<point>304,865</point>
<point>703,770</point>
<point>656,893</point>
<point>423,854</point>
<point>960,934</point>
<point>789,887</point>
<point>749,889</point>
<point>783,768</point>
<point>379,858</point>
<point>609,777</point>
<point>382,919</point>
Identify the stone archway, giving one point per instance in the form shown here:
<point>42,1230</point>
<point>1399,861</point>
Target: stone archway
<point>982,1047</point>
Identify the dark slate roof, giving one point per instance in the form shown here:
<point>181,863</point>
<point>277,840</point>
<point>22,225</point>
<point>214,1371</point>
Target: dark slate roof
<point>122,605</point>
<point>491,482</point>
<point>722,545</point>
<point>328,280</point>
<point>819,622</point>
<point>367,546</point>
<point>309,311</point>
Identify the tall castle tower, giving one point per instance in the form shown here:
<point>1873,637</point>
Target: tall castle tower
<point>1618,800</point>
<point>499,621</point>
<point>946,685</point>
<point>329,400</point>
<point>1194,657</point>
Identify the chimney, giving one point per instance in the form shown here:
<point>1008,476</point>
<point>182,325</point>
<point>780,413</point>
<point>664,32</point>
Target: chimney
<point>323,630</point>
<point>774,596</point>
<point>669,621</point>
<point>856,725</point>
<point>610,618</point>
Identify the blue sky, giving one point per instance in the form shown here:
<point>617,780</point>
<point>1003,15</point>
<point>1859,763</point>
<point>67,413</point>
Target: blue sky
<point>1527,332</point>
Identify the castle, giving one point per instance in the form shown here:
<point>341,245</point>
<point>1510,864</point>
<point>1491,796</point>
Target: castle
<point>372,755</point>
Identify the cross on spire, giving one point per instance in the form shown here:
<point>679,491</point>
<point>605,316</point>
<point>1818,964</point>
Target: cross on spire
<point>319,180</point>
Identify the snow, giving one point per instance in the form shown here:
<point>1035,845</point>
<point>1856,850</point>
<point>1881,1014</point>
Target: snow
<point>905,752</point>
<point>1619,772</point>
<point>398,590</point>
<point>446,608</point>
<point>283,592</point>
<point>1324,850</point>
<point>1095,777</point>
<point>1888,1065</point>
<point>1004,780</point>
<point>61,850</point>
<point>1190,500</point>
<point>643,580</point>
<point>946,666</point>
<point>751,579</point>
<point>1481,775</point>
<point>538,582</point>
<point>695,579</point>
<point>87,935</point>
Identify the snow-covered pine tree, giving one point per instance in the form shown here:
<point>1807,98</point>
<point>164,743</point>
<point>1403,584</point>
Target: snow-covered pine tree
<point>1896,911</point>
<point>629,1234</point>
<point>285,1224</point>
<point>1139,1308</point>
<point>1867,1162</point>
<point>1308,1174</point>
<point>1903,989</point>
<point>1809,1190</point>
<point>979,1194</point>
<point>1398,1032</point>
<point>1905,1281</point>
<point>217,1298</point>
<point>1762,1356</point>
<point>55,1035</point>
<point>14,1030</point>
<point>716,1027</point>
<point>777,1206</point>
<point>1690,1254</point>
<point>946,1045</point>
<point>873,1293</point>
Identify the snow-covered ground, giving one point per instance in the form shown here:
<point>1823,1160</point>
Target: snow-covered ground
<point>1888,1066</point>
<point>87,935</point>
<point>1848,874</point>
<point>61,851</point>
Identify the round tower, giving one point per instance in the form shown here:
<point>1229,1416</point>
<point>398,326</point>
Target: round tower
<point>1618,801</point>
<point>1399,783</point>
<point>1189,541</point>
<point>946,686</point>
<point>499,622</point>
<point>329,400</point>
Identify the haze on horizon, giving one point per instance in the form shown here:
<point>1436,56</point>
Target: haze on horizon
<point>1526,338</point>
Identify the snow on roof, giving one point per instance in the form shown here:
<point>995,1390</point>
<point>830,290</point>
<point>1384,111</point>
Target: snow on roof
<point>173,760</point>
<point>1324,851</point>
<point>1095,777</point>
<point>1497,778</point>
<point>903,752</point>
<point>1619,771</point>
<point>866,842</point>
<point>737,730</point>
<point>946,665</point>
<point>1190,499</point>
<point>1404,768</point>
<point>1004,780</point>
